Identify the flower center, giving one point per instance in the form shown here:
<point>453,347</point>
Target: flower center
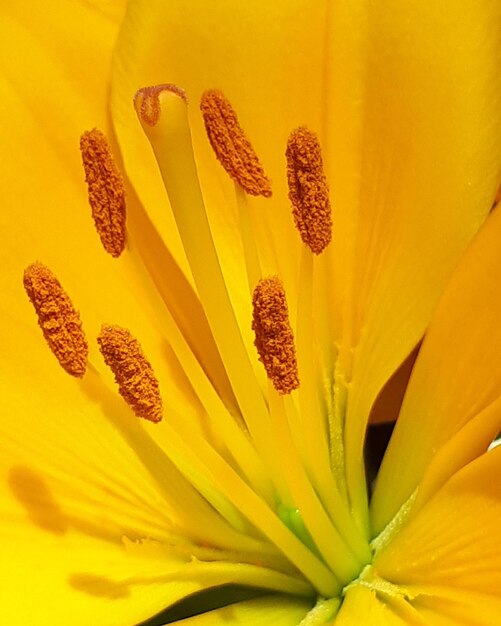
<point>290,432</point>
<point>276,470</point>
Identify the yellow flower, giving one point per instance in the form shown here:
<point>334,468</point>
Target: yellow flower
<point>249,344</point>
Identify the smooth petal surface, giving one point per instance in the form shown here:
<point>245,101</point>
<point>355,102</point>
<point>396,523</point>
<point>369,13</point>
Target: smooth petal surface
<point>79,580</point>
<point>361,606</point>
<point>267,611</point>
<point>429,154</point>
<point>456,376</point>
<point>448,557</point>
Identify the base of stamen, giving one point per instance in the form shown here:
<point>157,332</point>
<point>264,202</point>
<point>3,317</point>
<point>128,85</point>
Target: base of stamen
<point>137,383</point>
<point>58,319</point>
<point>328,540</point>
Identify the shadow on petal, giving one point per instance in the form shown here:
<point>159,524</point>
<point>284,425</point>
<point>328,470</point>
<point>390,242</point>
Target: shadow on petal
<point>32,492</point>
<point>99,586</point>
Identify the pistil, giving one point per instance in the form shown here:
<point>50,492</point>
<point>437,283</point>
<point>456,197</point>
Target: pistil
<point>170,138</point>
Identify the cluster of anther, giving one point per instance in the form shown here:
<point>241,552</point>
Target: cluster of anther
<point>231,146</point>
<point>308,189</point>
<point>105,191</point>
<point>274,339</point>
<point>134,375</point>
<point>57,317</point>
<point>309,196</point>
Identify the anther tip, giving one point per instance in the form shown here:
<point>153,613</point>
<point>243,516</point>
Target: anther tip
<point>274,339</point>
<point>308,189</point>
<point>231,144</point>
<point>137,383</point>
<point>147,101</point>
<point>106,192</point>
<point>59,321</point>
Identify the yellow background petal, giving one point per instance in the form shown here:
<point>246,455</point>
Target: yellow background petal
<point>361,606</point>
<point>450,553</point>
<point>53,580</point>
<point>457,374</point>
<point>429,149</point>
<point>267,611</point>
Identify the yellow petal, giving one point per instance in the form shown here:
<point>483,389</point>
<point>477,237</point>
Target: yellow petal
<point>53,87</point>
<point>82,444</point>
<point>427,171</point>
<point>79,579</point>
<point>452,608</point>
<point>265,611</point>
<point>449,554</point>
<point>69,577</point>
<point>362,606</point>
<point>456,376</point>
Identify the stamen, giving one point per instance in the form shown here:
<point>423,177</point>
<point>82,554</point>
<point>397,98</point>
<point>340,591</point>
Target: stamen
<point>58,319</point>
<point>274,339</point>
<point>173,148</point>
<point>137,383</point>
<point>231,146</point>
<point>308,189</point>
<point>147,102</point>
<point>106,191</point>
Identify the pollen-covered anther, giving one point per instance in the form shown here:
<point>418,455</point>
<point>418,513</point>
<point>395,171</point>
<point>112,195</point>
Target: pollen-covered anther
<point>231,145</point>
<point>105,189</point>
<point>137,383</point>
<point>58,319</point>
<point>308,189</point>
<point>147,101</point>
<point>274,339</point>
